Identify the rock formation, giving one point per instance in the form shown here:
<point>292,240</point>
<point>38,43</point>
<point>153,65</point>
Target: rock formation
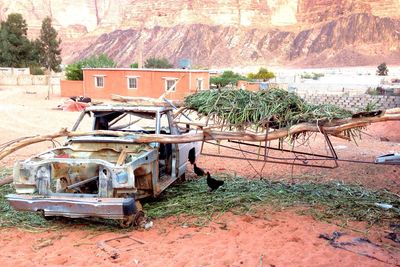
<point>223,33</point>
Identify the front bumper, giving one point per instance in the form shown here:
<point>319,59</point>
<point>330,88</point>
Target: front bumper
<point>75,207</point>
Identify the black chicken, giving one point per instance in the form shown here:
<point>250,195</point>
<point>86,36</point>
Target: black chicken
<point>212,183</point>
<point>198,171</point>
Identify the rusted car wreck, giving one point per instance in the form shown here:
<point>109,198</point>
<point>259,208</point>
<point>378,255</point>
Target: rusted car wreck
<point>101,175</point>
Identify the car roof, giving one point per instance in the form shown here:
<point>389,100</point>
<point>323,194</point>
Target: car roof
<point>122,108</point>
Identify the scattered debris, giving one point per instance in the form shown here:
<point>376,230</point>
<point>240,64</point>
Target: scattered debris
<point>114,252</point>
<point>71,105</point>
<point>82,244</point>
<point>45,242</point>
<point>335,235</point>
<point>384,206</point>
<point>360,246</point>
<point>394,237</point>
<point>81,99</point>
<point>148,225</point>
<point>395,225</point>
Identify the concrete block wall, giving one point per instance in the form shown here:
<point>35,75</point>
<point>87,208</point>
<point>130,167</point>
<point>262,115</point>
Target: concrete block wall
<point>14,71</point>
<point>39,80</point>
<point>8,80</point>
<point>354,103</point>
<point>6,71</point>
<point>28,80</point>
<point>24,80</point>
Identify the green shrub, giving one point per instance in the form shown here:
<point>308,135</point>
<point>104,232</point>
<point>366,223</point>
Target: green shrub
<point>74,70</point>
<point>262,74</point>
<point>228,77</point>
<point>36,70</point>
<point>314,75</point>
<point>158,63</point>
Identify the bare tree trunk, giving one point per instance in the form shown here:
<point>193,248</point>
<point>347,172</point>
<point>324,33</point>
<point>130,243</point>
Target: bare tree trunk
<point>49,84</point>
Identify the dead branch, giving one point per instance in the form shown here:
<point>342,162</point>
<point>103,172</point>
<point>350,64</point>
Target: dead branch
<point>145,101</point>
<point>334,127</point>
<point>6,180</point>
<point>20,143</point>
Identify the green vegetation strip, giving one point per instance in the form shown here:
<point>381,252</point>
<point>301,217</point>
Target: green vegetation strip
<point>10,217</point>
<point>328,201</point>
<point>331,201</point>
<point>242,108</point>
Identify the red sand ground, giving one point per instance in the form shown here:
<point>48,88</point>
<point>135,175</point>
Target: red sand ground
<point>272,239</point>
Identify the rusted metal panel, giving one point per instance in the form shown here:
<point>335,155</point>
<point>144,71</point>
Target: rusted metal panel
<point>74,207</point>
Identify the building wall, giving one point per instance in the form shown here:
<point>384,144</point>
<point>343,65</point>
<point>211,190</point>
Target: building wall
<point>248,86</point>
<point>71,88</point>
<point>150,83</point>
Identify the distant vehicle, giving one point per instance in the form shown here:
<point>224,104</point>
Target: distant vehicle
<point>104,176</point>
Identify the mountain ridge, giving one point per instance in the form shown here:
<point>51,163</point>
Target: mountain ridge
<point>222,33</point>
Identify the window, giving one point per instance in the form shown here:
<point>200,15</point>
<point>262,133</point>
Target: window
<point>99,81</point>
<point>199,84</point>
<point>170,84</point>
<point>132,83</point>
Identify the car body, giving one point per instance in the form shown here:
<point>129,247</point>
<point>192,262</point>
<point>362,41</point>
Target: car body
<point>102,175</point>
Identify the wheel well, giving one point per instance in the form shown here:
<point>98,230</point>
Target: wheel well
<point>192,155</point>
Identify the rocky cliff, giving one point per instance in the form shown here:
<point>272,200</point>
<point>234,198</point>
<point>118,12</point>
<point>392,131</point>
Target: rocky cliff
<point>223,33</point>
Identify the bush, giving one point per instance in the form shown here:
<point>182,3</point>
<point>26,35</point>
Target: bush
<point>74,70</point>
<point>228,77</point>
<point>382,69</point>
<point>262,74</point>
<point>134,65</point>
<point>36,70</point>
<point>158,63</point>
<point>314,75</point>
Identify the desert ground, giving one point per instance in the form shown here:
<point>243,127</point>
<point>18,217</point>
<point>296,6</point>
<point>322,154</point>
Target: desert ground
<point>274,238</point>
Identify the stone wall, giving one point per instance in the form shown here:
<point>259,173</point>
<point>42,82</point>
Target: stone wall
<point>24,79</point>
<point>14,71</point>
<point>354,103</point>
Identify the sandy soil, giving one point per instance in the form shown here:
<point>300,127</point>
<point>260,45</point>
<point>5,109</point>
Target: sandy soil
<point>271,239</point>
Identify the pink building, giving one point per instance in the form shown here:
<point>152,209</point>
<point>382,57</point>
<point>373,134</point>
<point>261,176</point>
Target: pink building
<point>103,82</point>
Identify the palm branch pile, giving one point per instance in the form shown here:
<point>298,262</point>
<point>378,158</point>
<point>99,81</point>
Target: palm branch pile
<point>274,108</point>
<point>326,201</point>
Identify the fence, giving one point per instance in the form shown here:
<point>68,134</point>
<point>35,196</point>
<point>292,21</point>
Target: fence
<point>354,103</point>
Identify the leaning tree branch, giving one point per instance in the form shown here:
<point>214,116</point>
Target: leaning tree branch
<point>334,127</point>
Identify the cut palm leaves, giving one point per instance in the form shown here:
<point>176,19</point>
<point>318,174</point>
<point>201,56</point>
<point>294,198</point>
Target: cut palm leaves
<point>275,108</point>
<point>326,201</point>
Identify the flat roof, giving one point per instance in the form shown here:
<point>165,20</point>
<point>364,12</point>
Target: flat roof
<point>141,69</point>
<point>127,107</point>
